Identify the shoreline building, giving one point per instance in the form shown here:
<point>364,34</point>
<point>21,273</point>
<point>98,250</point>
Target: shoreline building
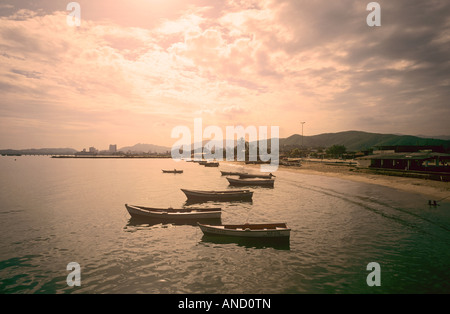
<point>409,161</point>
<point>418,161</point>
<point>92,152</point>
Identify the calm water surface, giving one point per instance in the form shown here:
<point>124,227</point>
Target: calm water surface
<point>57,211</point>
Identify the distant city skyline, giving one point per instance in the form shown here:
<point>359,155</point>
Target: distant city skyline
<point>134,70</point>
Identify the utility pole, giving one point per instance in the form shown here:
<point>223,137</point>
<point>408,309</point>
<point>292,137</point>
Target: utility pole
<point>302,132</point>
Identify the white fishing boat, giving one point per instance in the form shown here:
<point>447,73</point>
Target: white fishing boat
<point>227,195</point>
<point>230,173</point>
<point>249,182</point>
<point>172,213</point>
<point>251,175</point>
<point>271,230</point>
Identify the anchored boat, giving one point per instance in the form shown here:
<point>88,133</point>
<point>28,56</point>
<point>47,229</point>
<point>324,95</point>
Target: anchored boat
<point>172,213</point>
<point>227,195</point>
<point>228,173</point>
<point>247,182</point>
<point>249,175</point>
<point>271,230</point>
<point>211,164</point>
<point>172,171</point>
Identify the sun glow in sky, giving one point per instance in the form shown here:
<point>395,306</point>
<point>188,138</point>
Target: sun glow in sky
<point>136,69</point>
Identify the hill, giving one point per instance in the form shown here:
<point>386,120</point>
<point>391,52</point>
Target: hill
<point>145,148</point>
<point>352,140</point>
<point>358,140</point>
<point>40,151</point>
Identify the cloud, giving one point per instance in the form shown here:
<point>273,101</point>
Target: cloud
<point>257,62</point>
<point>28,74</point>
<point>6,6</point>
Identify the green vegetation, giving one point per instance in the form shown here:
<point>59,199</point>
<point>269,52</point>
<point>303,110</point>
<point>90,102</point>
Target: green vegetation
<point>358,141</point>
<point>336,151</point>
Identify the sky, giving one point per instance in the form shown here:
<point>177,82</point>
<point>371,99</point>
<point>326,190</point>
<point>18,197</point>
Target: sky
<point>136,69</point>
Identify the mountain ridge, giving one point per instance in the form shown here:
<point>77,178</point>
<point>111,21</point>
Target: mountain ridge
<point>352,140</point>
<point>145,148</point>
<point>360,140</point>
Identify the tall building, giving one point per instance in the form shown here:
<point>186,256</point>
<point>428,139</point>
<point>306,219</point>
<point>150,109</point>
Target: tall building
<point>113,148</point>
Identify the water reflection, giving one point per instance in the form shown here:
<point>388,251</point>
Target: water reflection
<point>256,243</point>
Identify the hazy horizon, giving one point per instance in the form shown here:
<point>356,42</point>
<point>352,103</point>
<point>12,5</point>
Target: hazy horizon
<point>134,70</point>
<point>205,140</point>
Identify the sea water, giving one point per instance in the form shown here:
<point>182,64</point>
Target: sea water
<point>58,211</point>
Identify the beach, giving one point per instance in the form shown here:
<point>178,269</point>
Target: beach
<point>436,190</point>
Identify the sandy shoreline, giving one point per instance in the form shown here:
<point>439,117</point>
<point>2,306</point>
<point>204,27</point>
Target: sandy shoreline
<point>435,190</point>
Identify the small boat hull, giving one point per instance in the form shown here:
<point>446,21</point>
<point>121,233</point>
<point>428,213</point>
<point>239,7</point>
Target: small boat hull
<point>248,230</point>
<point>211,164</point>
<point>173,214</point>
<point>254,182</point>
<point>228,195</point>
<point>261,176</point>
<point>172,171</point>
<point>228,173</point>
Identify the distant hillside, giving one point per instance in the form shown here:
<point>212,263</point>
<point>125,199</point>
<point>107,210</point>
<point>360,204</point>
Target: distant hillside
<point>357,140</point>
<point>40,151</point>
<point>145,148</point>
<point>439,137</point>
<point>352,140</point>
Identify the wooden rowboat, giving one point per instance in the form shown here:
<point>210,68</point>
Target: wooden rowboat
<point>249,182</point>
<point>211,164</point>
<point>172,213</point>
<point>227,173</point>
<point>172,171</point>
<point>272,230</point>
<point>249,175</point>
<point>227,195</point>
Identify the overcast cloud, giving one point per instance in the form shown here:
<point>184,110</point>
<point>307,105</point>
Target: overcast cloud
<point>135,69</point>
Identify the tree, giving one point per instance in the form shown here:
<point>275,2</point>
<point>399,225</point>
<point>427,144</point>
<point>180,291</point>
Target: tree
<point>336,150</point>
<point>295,153</point>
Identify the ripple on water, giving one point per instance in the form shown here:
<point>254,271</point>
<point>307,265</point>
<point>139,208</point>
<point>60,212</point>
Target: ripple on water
<point>56,216</point>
